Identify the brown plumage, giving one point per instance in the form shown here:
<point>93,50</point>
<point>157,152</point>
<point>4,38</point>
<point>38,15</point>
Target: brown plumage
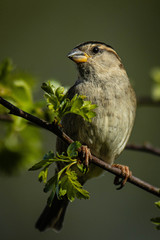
<point>103,79</point>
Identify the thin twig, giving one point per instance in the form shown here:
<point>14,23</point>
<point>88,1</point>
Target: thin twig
<point>7,118</point>
<point>52,127</point>
<point>56,130</point>
<point>147,148</point>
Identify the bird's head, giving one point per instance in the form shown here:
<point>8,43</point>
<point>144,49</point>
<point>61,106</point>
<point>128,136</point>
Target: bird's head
<point>95,58</point>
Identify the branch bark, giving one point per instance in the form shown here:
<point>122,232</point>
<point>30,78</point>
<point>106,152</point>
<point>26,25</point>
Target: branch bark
<point>147,148</point>
<point>52,127</point>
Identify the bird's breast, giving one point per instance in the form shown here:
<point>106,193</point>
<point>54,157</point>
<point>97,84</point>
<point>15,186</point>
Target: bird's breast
<point>110,129</point>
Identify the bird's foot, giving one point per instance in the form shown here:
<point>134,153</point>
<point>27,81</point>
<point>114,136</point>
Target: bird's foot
<point>86,155</point>
<point>126,173</point>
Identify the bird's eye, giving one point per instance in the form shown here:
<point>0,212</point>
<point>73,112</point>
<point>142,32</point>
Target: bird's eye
<point>95,50</point>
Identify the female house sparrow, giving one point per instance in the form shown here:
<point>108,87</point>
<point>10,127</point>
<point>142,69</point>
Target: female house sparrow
<point>103,79</point>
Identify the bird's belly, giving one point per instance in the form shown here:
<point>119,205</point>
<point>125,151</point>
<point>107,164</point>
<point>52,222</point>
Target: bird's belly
<point>107,135</point>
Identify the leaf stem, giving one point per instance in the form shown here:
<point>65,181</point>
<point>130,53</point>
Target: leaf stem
<point>56,130</point>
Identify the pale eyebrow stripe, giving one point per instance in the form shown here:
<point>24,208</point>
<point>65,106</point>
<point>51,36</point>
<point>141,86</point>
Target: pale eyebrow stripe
<point>110,50</point>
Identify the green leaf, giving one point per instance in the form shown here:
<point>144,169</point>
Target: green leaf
<point>157,204</point>
<point>64,107</point>
<point>60,105</point>
<point>77,104</point>
<point>64,182</point>
<point>43,175</point>
<point>51,184</point>
<point>72,149</point>
<point>73,188</point>
<point>67,186</point>
<point>156,220</point>
<point>82,168</point>
<point>47,88</point>
<point>22,91</point>
<point>62,157</point>
<point>62,192</point>
<point>61,172</point>
<point>49,155</point>
<point>74,98</point>
<point>88,105</point>
<point>53,102</point>
<point>90,114</point>
<point>41,164</point>
<point>47,160</point>
<point>59,92</point>
<point>38,165</point>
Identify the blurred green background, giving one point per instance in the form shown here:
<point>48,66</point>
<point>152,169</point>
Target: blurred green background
<point>37,35</point>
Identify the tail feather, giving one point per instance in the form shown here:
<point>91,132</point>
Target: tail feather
<point>53,216</point>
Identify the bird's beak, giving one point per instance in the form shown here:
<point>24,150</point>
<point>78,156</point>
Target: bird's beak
<point>78,56</point>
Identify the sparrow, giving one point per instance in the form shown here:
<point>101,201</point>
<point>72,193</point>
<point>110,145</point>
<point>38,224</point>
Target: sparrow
<point>103,80</point>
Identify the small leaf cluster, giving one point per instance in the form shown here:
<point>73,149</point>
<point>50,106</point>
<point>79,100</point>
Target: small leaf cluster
<point>20,144</point>
<point>64,182</point>
<point>60,104</point>
<point>17,151</point>
<point>156,220</point>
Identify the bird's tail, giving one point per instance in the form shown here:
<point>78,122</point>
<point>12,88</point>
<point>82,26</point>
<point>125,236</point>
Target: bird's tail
<point>53,216</point>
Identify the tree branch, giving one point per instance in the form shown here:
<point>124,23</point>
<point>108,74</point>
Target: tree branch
<point>52,127</point>
<point>147,148</point>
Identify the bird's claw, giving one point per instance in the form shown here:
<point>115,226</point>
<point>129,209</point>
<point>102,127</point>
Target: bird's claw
<point>86,155</point>
<point>126,173</point>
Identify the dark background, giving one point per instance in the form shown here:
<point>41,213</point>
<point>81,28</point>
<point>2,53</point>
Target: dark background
<point>37,35</point>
